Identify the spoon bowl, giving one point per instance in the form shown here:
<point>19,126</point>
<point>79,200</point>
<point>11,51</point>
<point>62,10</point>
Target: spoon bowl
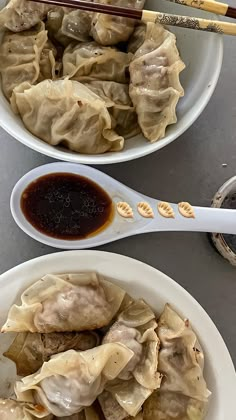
<point>206,219</point>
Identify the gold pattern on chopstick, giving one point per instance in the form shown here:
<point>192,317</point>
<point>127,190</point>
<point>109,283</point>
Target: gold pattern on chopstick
<point>145,210</point>
<point>186,210</point>
<point>208,5</point>
<point>209,25</point>
<point>124,210</point>
<point>165,210</point>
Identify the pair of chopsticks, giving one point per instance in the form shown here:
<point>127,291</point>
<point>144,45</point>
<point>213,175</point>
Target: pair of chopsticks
<point>226,28</point>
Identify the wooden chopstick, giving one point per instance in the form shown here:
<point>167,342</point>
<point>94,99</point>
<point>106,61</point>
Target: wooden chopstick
<point>209,6</point>
<point>219,27</point>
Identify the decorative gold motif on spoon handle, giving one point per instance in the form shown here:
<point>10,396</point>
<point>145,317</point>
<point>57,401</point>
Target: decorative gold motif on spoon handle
<point>165,210</point>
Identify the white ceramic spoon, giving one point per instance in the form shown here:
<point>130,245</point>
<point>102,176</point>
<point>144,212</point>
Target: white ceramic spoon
<point>206,219</point>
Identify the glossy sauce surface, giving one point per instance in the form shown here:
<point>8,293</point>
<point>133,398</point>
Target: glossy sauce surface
<point>66,206</point>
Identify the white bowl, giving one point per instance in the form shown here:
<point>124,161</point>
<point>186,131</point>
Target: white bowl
<point>202,53</point>
<point>140,280</point>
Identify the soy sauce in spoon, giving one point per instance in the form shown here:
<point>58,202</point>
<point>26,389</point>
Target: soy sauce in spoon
<point>66,206</point>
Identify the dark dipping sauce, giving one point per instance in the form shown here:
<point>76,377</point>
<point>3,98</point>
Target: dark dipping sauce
<point>66,206</point>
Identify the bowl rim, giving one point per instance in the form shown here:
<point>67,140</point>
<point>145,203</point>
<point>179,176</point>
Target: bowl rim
<point>118,157</point>
<point>123,270</point>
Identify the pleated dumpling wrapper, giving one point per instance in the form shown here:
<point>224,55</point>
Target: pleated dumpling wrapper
<point>20,15</point>
<point>20,56</point>
<point>155,87</point>
<point>120,107</point>
<point>72,116</point>
<point>30,350</point>
<point>183,393</point>
<point>70,302</point>
<point>14,410</point>
<point>110,30</point>
<point>72,380</point>
<point>135,328</point>
<point>86,61</point>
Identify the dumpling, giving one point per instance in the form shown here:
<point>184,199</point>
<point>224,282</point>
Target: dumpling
<point>14,410</point>
<point>30,350</point>
<point>135,328</point>
<point>72,380</point>
<point>69,302</point>
<point>77,25</point>
<point>155,88</point>
<point>120,107</point>
<point>20,56</point>
<point>48,68</point>
<point>110,30</point>
<point>20,15</point>
<point>73,116</point>
<point>183,394</point>
<point>88,60</point>
<point>53,26</point>
<point>180,359</point>
<point>173,406</point>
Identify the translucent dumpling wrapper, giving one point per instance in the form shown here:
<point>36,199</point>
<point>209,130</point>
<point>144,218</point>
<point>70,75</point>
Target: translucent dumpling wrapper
<point>135,328</point>
<point>173,406</point>
<point>20,56</point>
<point>73,116</point>
<point>30,350</point>
<point>130,395</point>
<point>180,359</point>
<point>155,87</point>
<point>77,24</point>
<point>69,302</point>
<point>119,104</point>
<point>20,15</point>
<point>54,24</point>
<point>73,380</point>
<point>110,30</point>
<point>48,68</point>
<point>88,60</point>
<point>14,410</point>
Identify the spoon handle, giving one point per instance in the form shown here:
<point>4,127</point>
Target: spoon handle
<point>206,220</point>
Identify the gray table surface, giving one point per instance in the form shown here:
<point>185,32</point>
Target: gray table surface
<point>186,257</point>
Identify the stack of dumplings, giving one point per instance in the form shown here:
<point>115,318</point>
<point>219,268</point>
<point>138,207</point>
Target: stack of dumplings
<point>88,81</point>
<point>85,350</point>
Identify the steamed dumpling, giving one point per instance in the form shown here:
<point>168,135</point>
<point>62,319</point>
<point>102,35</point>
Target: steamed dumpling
<point>88,60</point>
<point>173,406</point>
<point>20,56</point>
<point>30,350</point>
<point>155,88</point>
<point>180,358</point>
<point>119,105</point>
<point>72,116</point>
<point>183,394</point>
<point>69,302</point>
<point>14,410</point>
<point>76,25</point>
<point>20,15</point>
<point>72,380</point>
<point>135,328</point>
<point>110,30</point>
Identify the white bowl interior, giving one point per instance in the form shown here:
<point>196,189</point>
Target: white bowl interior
<point>140,280</point>
<point>202,53</point>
